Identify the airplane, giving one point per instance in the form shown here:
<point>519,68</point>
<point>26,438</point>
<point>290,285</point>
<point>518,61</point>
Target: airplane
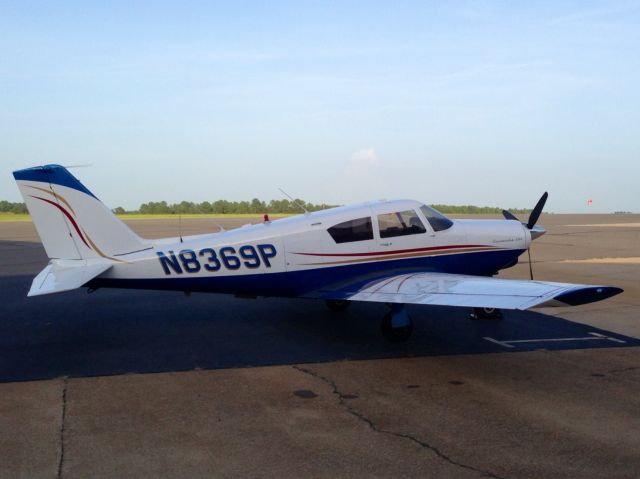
<point>396,252</point>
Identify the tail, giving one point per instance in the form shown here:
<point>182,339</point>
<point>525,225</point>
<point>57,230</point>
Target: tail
<point>72,223</point>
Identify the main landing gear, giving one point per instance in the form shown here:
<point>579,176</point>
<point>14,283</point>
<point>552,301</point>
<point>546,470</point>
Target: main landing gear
<point>396,324</point>
<point>486,313</point>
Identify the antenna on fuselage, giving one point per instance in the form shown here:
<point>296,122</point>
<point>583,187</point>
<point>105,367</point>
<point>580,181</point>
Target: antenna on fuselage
<point>300,205</point>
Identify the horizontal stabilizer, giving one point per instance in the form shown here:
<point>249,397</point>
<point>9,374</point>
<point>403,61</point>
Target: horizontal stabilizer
<point>65,275</point>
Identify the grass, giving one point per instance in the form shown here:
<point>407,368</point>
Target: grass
<point>14,217</point>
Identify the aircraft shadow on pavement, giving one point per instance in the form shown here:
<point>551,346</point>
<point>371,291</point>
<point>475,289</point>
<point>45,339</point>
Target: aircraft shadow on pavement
<point>113,332</point>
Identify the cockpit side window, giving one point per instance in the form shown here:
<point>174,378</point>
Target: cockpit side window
<point>401,223</point>
<point>353,230</point>
<point>437,220</point>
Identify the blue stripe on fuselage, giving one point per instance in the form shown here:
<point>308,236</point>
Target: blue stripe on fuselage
<point>322,282</point>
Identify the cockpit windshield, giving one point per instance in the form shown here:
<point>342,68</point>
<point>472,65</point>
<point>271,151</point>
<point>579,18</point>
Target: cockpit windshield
<point>437,220</point>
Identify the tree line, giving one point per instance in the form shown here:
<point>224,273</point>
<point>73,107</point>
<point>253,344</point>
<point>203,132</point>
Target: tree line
<point>255,206</point>
<point>477,210</point>
<point>16,208</point>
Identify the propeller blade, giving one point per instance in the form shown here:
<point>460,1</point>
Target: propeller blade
<point>535,214</point>
<point>508,215</point>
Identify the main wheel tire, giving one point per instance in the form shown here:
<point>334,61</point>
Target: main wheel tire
<point>396,334</point>
<point>487,313</point>
<point>337,305</point>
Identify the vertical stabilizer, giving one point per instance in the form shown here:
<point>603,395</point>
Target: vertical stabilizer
<point>71,221</point>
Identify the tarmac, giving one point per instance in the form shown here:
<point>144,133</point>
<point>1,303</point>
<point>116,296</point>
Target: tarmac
<point>126,383</point>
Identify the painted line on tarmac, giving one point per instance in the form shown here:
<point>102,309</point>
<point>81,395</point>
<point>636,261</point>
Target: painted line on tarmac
<point>501,343</point>
<point>615,340</point>
<point>509,343</point>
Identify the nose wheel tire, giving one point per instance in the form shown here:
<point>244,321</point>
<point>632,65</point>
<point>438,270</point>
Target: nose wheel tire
<point>337,305</point>
<point>486,313</point>
<point>396,333</point>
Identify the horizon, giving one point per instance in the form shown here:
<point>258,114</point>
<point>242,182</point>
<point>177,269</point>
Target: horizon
<point>269,207</point>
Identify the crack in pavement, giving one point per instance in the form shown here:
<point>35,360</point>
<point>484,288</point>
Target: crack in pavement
<point>63,418</point>
<point>374,427</point>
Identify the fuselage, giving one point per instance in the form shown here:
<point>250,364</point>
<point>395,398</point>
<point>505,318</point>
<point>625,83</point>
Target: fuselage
<point>395,252</point>
<point>301,255</point>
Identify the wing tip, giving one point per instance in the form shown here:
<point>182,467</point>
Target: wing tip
<point>587,295</point>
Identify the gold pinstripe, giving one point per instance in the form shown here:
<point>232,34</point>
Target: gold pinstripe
<point>54,194</point>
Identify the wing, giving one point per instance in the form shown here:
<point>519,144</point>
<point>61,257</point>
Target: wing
<point>65,275</point>
<point>471,291</point>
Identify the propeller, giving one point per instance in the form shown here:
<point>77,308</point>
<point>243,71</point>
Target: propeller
<point>537,210</point>
<point>536,231</point>
<point>535,213</point>
<point>509,215</point>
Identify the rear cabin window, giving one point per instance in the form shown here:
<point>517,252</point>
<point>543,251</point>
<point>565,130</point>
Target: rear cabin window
<point>401,223</point>
<point>437,220</point>
<point>353,230</point>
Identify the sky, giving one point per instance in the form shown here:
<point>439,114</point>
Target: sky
<point>470,102</point>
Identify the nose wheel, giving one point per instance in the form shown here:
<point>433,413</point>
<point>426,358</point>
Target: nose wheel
<point>397,325</point>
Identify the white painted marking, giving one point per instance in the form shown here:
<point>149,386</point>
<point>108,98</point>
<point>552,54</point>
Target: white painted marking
<point>509,343</point>
<point>615,340</point>
<point>617,260</point>
<point>501,343</point>
<point>551,340</point>
<point>610,225</point>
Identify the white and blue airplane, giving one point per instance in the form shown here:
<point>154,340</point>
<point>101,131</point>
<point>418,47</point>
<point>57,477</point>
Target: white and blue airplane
<point>395,252</point>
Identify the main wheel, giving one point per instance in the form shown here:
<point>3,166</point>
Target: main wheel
<point>397,333</point>
<point>337,305</point>
<point>486,313</point>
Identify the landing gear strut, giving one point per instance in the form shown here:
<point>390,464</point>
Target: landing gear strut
<point>397,324</point>
<point>337,305</point>
<point>486,313</point>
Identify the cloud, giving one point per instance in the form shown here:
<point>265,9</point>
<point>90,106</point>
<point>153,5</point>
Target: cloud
<point>361,179</point>
<point>365,158</point>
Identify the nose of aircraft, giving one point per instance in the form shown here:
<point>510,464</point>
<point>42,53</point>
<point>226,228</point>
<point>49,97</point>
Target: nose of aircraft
<point>537,231</point>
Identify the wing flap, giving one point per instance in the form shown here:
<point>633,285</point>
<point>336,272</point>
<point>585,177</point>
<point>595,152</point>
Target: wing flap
<point>480,292</point>
<point>65,275</point>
